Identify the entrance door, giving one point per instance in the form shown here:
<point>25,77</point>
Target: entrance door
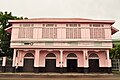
<point>93,65</point>
<point>28,65</point>
<point>93,62</point>
<point>50,65</point>
<point>71,65</point>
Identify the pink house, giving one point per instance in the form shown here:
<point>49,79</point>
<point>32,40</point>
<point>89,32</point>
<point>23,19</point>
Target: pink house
<point>61,45</point>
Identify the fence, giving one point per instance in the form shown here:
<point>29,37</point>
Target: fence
<point>8,67</point>
<point>0,64</point>
<point>116,65</point>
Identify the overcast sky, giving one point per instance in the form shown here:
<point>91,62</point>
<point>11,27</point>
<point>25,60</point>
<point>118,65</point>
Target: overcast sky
<point>92,9</point>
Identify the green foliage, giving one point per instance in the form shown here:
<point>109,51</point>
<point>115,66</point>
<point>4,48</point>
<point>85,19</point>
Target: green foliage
<point>4,36</point>
<point>115,52</point>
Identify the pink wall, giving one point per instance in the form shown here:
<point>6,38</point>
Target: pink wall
<point>20,57</point>
<point>79,58</point>
<point>43,57</point>
<point>61,36</point>
<point>61,27</point>
<point>103,61</point>
<point>61,42</point>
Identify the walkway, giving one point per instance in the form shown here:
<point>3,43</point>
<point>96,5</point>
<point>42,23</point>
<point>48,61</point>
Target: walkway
<point>57,75</point>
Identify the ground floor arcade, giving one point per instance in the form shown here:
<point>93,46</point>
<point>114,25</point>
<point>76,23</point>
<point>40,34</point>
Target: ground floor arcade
<point>61,60</point>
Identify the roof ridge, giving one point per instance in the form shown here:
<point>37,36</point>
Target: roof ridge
<point>59,19</point>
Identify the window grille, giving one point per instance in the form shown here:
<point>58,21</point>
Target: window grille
<point>25,32</point>
<point>73,33</point>
<point>49,32</point>
<point>96,25</point>
<point>73,25</point>
<point>97,33</point>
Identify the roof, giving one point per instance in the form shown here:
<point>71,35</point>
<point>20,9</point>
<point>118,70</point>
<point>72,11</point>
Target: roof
<point>59,19</point>
<point>82,20</point>
<point>114,30</point>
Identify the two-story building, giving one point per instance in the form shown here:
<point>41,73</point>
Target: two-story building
<point>61,44</point>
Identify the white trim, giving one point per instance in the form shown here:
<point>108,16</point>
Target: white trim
<point>50,58</point>
<point>28,57</point>
<point>93,58</point>
<point>71,57</point>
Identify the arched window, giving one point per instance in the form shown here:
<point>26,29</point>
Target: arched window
<point>71,55</point>
<point>93,56</point>
<point>29,55</point>
<point>50,56</point>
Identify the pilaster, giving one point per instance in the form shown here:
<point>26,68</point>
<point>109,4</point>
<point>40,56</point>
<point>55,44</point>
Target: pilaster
<point>36,61</point>
<point>85,56</point>
<point>108,59</point>
<point>14,58</point>
<point>61,60</point>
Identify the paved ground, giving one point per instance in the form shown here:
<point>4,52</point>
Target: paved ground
<point>60,79</point>
<point>58,76</point>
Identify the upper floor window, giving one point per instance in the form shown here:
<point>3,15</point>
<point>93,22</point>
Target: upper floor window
<point>26,25</point>
<point>49,32</point>
<point>73,25</point>
<point>97,33</point>
<point>73,33</point>
<point>49,25</point>
<point>25,32</point>
<point>96,25</point>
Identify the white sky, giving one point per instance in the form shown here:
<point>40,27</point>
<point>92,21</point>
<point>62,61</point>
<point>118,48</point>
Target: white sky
<point>91,9</point>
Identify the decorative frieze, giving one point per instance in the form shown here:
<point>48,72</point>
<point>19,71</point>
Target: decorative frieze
<point>75,44</point>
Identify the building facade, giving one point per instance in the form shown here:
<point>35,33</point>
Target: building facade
<point>61,44</point>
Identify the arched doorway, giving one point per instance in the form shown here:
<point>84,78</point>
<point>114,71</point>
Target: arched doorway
<point>71,62</point>
<point>50,62</point>
<point>93,63</point>
<point>28,63</point>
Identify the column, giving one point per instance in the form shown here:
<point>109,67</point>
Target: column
<point>14,58</point>
<point>107,52</point>
<point>18,58</point>
<point>36,61</point>
<point>61,60</point>
<point>36,58</point>
<point>3,63</point>
<point>85,56</point>
<point>108,62</point>
<point>108,59</point>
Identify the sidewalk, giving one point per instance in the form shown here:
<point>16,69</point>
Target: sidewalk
<point>56,75</point>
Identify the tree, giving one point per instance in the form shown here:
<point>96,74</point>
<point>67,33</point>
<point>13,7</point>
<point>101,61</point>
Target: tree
<point>115,52</point>
<point>4,36</point>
